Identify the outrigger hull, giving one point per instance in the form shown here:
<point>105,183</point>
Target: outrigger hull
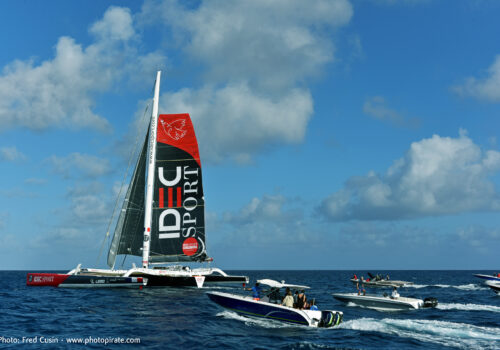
<point>83,281</point>
<point>255,308</point>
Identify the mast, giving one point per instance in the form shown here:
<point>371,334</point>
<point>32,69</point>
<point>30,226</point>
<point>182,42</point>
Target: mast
<point>151,175</point>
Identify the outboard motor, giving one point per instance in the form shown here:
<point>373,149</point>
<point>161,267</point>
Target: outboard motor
<point>330,319</point>
<point>430,302</point>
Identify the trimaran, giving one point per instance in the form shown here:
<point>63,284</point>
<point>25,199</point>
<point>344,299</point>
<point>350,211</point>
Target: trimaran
<point>162,217</point>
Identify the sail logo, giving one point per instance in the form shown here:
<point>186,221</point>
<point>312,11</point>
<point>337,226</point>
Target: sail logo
<point>190,246</point>
<point>174,129</point>
<point>176,221</point>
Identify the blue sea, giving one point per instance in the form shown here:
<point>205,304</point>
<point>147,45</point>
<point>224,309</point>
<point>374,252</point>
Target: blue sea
<point>468,316</point>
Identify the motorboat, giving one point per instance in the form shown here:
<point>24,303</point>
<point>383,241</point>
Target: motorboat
<point>495,285</point>
<point>381,283</point>
<point>269,307</point>
<point>494,277</point>
<point>385,302</point>
<point>378,281</point>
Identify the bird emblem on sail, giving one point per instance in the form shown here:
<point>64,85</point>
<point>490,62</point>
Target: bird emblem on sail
<point>174,129</point>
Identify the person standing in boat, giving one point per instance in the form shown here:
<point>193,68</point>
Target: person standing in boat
<point>395,293</point>
<point>301,300</point>
<point>313,305</point>
<point>288,300</point>
<point>256,290</point>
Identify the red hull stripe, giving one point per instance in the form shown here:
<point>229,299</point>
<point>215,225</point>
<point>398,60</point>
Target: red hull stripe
<point>160,204</point>
<point>170,197</point>
<point>179,197</point>
<point>45,279</point>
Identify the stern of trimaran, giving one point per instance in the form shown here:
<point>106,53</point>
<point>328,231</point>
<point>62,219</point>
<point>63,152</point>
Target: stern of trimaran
<point>162,217</point>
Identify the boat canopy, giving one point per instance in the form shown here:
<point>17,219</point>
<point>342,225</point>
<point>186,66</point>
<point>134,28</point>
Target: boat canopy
<point>282,284</point>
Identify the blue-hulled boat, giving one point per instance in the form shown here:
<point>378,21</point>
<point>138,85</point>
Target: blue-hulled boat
<point>269,307</point>
<point>494,277</point>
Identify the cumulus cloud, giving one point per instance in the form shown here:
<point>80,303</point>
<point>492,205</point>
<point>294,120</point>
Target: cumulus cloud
<point>79,165</point>
<point>376,107</point>
<point>90,208</point>
<point>35,181</point>
<point>272,208</point>
<point>437,176</point>
<point>485,88</point>
<point>236,121</point>
<point>272,44</point>
<point>60,92</point>
<point>270,220</point>
<point>479,237</point>
<point>11,154</point>
<point>255,57</point>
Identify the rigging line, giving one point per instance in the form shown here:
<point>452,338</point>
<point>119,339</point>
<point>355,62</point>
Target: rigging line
<point>123,262</point>
<point>121,187</point>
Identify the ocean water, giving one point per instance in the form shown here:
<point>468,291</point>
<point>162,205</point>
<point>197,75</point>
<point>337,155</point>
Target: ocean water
<point>468,316</point>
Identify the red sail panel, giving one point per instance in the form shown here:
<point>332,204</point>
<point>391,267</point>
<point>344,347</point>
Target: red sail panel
<point>177,130</point>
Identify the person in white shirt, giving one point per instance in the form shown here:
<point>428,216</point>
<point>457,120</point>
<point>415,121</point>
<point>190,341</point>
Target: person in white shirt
<point>288,300</point>
<point>395,293</point>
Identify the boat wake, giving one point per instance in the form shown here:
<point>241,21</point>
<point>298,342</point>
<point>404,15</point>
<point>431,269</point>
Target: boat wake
<point>470,286</point>
<point>468,307</point>
<point>460,335</point>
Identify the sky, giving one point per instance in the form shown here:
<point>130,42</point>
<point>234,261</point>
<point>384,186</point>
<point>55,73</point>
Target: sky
<point>333,134</point>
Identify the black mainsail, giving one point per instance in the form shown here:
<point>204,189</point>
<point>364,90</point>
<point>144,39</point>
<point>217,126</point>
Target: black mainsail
<point>128,235</point>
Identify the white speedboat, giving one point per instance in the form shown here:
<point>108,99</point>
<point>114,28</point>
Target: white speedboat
<point>269,307</point>
<point>381,283</point>
<point>494,277</point>
<point>495,285</point>
<point>385,302</point>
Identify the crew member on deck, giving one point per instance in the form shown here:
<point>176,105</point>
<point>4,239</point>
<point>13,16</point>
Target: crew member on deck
<point>395,293</point>
<point>256,291</point>
<point>313,305</point>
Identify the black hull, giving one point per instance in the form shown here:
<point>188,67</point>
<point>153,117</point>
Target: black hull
<point>189,281</point>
